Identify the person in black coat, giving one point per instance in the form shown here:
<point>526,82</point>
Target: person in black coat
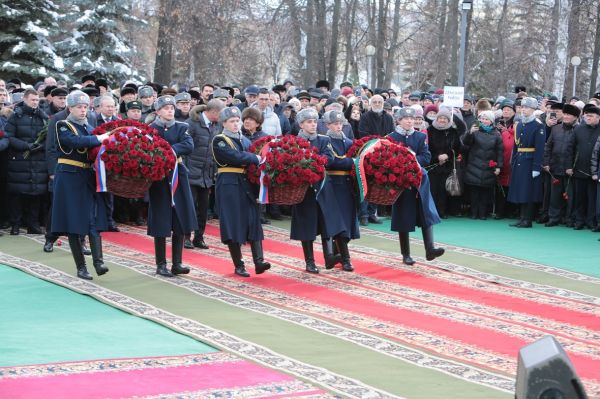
<point>338,172</point>
<point>484,162</point>
<point>239,218</point>
<point>163,217</point>
<point>585,137</point>
<point>557,153</point>
<point>77,209</point>
<point>27,174</point>
<point>444,145</point>
<point>203,126</point>
<point>319,212</point>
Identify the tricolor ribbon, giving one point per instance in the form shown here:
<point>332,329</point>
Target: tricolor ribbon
<point>101,168</point>
<point>359,165</point>
<point>174,179</point>
<point>263,193</point>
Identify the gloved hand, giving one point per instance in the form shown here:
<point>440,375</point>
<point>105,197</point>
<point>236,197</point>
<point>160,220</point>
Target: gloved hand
<point>35,147</point>
<point>102,137</point>
<point>535,174</point>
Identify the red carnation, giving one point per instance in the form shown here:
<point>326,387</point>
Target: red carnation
<point>555,181</point>
<point>492,163</point>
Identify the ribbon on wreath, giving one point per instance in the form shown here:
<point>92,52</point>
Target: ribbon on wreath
<point>263,192</point>
<point>359,165</point>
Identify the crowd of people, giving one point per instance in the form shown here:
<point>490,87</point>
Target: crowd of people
<point>516,156</point>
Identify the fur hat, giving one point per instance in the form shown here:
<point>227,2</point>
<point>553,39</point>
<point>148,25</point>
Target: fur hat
<point>591,109</point>
<point>228,113</point>
<point>418,110</point>
<point>254,114</point>
<point>529,102</point>
<point>487,115</point>
<point>163,101</point>
<point>406,112</point>
<point>77,97</point>
<point>431,108</point>
<point>333,117</point>
<point>571,110</point>
<point>444,111</point>
<point>306,114</point>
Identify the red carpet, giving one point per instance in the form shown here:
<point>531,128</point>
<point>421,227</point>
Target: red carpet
<point>217,374</point>
<point>478,322</point>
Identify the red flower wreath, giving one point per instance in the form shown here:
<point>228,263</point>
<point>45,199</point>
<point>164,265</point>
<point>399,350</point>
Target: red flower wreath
<point>390,165</point>
<point>290,161</point>
<point>137,150</point>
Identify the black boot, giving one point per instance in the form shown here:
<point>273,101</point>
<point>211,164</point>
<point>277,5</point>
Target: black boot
<point>78,257</point>
<point>405,249</point>
<point>527,215</point>
<point>160,254</point>
<point>260,266</point>
<point>187,243</point>
<point>97,257</point>
<point>86,251</point>
<point>235,250</point>
<point>49,245</point>
<point>342,244</point>
<point>198,241</point>
<point>330,258</point>
<point>177,252</point>
<point>430,251</point>
<point>309,257</point>
<point>523,213</point>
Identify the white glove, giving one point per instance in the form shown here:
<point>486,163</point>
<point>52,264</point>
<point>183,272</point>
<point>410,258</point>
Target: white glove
<point>103,137</point>
<point>535,174</point>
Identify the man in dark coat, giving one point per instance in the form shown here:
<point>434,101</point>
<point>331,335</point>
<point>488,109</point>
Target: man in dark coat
<point>239,217</point>
<point>558,151</point>
<point>528,153</point>
<point>77,210</point>
<point>27,175</point>
<point>586,135</point>
<point>182,106</point>
<point>203,126</point>
<point>163,217</point>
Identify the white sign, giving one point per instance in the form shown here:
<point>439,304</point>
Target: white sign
<point>454,96</point>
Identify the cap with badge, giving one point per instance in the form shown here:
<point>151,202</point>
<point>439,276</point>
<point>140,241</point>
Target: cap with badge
<point>76,98</point>
<point>145,91</point>
<point>163,101</point>
<point>221,94</point>
<point>529,102</point>
<point>406,112</point>
<point>306,114</point>
<point>228,113</point>
<point>133,105</point>
<point>333,117</point>
<point>183,97</point>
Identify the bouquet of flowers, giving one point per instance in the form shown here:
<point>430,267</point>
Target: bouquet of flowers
<point>383,169</point>
<point>131,159</point>
<point>290,165</point>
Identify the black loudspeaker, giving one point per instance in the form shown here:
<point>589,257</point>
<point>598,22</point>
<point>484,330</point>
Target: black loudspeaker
<point>546,372</point>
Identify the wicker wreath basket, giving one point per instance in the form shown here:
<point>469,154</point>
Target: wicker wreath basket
<point>287,195</point>
<point>380,195</point>
<point>127,187</point>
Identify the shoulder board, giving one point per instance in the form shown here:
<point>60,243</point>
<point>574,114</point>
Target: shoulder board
<point>322,135</point>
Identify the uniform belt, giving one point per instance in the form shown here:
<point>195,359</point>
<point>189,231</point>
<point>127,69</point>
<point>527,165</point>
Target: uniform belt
<point>74,163</point>
<point>526,149</point>
<point>231,170</point>
<point>338,172</point>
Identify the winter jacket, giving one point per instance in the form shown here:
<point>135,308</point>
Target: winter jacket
<point>440,142</point>
<point>179,116</point>
<point>559,148</point>
<point>595,158</point>
<point>468,118</point>
<point>373,123</point>
<point>200,163</point>
<point>346,129</point>
<point>253,137</point>
<point>26,175</point>
<point>271,124</point>
<point>483,148</point>
<point>507,131</point>
<point>585,137</point>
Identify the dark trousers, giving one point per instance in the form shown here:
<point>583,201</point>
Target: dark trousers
<point>367,210</point>
<point>585,201</point>
<point>561,207</point>
<point>480,199</point>
<point>547,184</point>
<point>438,192</point>
<point>24,209</point>
<point>109,200</point>
<point>201,201</point>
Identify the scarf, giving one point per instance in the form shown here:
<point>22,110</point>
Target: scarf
<point>404,132</point>
<point>81,122</point>
<point>164,124</point>
<point>335,135</point>
<point>440,126</point>
<point>306,136</point>
<point>232,135</point>
<point>527,119</point>
<point>486,128</point>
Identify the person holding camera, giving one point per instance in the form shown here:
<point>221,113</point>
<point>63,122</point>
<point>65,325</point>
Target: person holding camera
<point>27,173</point>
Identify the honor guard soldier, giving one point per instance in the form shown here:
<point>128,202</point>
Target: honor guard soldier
<point>338,173</point>
<point>414,207</point>
<point>77,209</point>
<point>165,218</point>
<point>528,154</point>
<point>319,212</point>
<point>239,217</point>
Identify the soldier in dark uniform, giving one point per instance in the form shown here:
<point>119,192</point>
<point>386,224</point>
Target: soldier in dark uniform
<point>163,217</point>
<point>528,154</point>
<point>239,217</point>
<point>338,172</point>
<point>318,213</point>
<point>414,207</point>
<point>77,209</point>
